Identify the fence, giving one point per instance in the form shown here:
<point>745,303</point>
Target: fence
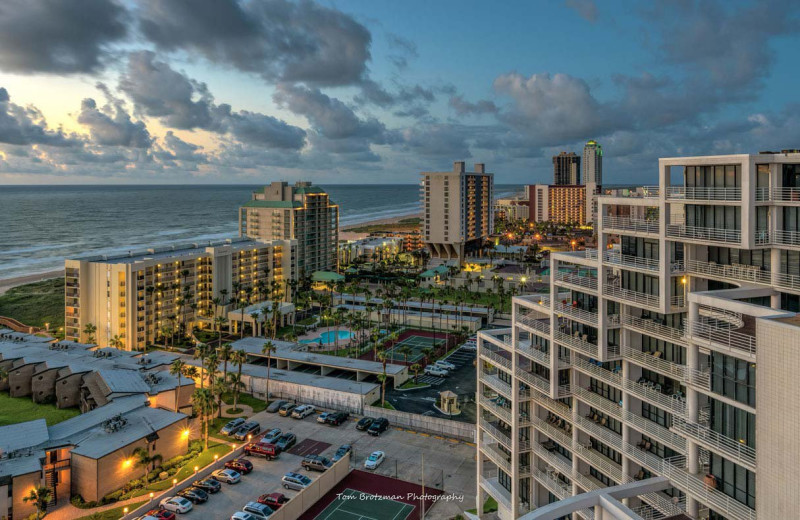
<point>435,425</point>
<point>302,502</point>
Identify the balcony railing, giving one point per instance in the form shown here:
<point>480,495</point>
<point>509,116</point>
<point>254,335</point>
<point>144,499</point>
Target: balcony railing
<point>586,282</point>
<point>534,380</point>
<point>728,236</point>
<point>557,407</point>
<point>500,411</point>
<point>730,340</point>
<point>534,353</point>
<point>650,300</point>
<point>600,461</point>
<point>738,272</point>
<point>649,460</point>
<point>541,325</point>
<point>786,194</point>
<point>586,316</point>
<point>786,281</point>
<point>649,360</point>
<point>651,327</point>
<point>598,372</point>
<point>738,452</point>
<point>497,384</point>
<point>598,431</point>
<point>629,224</point>
<point>557,434</point>
<point>497,456</point>
<point>498,434</point>
<point>703,193</point>
<point>675,468</point>
<point>675,404</point>
<point>599,402</point>
<point>575,343</point>
<point>496,358</point>
<point>633,262</point>
<point>787,238</point>
<point>658,432</point>
<point>555,486</point>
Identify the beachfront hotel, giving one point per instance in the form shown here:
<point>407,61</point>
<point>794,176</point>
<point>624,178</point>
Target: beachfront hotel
<point>561,204</point>
<point>668,355</point>
<point>131,298</point>
<point>301,212</point>
<point>458,210</point>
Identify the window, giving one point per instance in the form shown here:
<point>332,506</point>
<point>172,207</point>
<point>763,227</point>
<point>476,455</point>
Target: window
<point>733,378</point>
<point>657,415</point>
<point>734,423</point>
<point>734,480</point>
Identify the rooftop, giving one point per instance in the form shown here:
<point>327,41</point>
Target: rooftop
<point>174,251</point>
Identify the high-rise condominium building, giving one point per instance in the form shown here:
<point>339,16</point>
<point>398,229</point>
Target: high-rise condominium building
<point>301,212</point>
<point>132,298</point>
<point>458,210</point>
<point>671,350</point>
<point>592,176</point>
<point>560,204</point>
<point>567,168</point>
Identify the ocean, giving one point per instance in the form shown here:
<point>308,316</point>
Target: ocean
<point>40,226</point>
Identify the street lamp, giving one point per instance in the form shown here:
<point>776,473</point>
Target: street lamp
<point>174,482</point>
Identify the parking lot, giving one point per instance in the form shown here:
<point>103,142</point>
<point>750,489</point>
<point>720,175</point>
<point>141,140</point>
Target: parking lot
<point>448,465</point>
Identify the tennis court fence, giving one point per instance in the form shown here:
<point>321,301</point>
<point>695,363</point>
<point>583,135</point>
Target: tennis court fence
<point>423,423</point>
<point>302,502</point>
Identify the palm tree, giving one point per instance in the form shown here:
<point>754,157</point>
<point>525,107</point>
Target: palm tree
<point>176,369</point>
<point>90,330</point>
<point>204,403</point>
<point>40,497</point>
<point>268,349</point>
<point>219,387</point>
<point>201,352</point>
<point>220,321</point>
<point>383,356</point>
<point>406,351</point>
<point>224,353</point>
<point>143,458</point>
<point>416,368</point>
<point>116,341</point>
<point>238,358</point>
<point>235,385</point>
<point>255,315</point>
<point>426,352</point>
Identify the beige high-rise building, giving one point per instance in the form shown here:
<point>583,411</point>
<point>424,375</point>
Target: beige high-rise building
<point>301,212</point>
<point>132,297</point>
<point>559,204</point>
<point>458,210</point>
<point>592,177</point>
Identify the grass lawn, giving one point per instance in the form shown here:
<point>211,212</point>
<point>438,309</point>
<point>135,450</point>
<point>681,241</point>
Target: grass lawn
<point>36,303</point>
<point>20,409</point>
<point>411,384</point>
<point>386,405</point>
<point>490,506</point>
<point>203,459</point>
<point>256,404</point>
<point>112,514</point>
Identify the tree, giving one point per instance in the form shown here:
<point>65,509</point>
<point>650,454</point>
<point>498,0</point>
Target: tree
<point>176,369</point>
<point>204,404</point>
<point>238,358</point>
<point>255,315</point>
<point>220,321</point>
<point>116,341</point>
<point>426,352</point>
<point>143,458</point>
<point>416,368</point>
<point>235,385</point>
<point>40,497</point>
<point>383,357</point>
<point>90,330</point>
<point>201,352</point>
<point>224,353</point>
<point>219,387</point>
<point>268,349</point>
<point>406,351</point>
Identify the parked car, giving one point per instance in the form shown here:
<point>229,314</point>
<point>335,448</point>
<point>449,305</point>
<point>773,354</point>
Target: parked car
<point>295,481</point>
<point>286,409</point>
<point>342,451</point>
<point>262,449</point>
<point>209,485</point>
<point>470,346</point>
<point>258,510</point>
<point>160,514</point>
<point>337,418</point>
<point>230,428</point>
<point>433,370</point>
<point>248,428</point>
<point>193,494</point>
<point>286,441</point>
<point>242,466</point>
<point>374,460</point>
<point>146,517</point>
<point>274,406</point>
<point>445,364</point>
<point>228,476</point>
<point>271,436</point>
<point>378,426</point>
<point>241,515</point>
<point>273,500</point>
<point>303,411</point>
<point>323,417</point>
<point>364,423</point>
<point>176,504</point>
<point>316,462</point>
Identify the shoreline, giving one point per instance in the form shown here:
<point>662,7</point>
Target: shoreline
<point>345,232</point>
<point>10,283</point>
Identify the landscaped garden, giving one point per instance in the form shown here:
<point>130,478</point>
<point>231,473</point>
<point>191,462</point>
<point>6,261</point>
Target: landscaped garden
<point>20,409</point>
<point>113,513</point>
<point>36,304</point>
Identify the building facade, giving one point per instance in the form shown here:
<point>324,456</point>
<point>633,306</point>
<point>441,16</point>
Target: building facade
<point>301,212</point>
<point>566,169</point>
<point>593,177</point>
<point>132,298</point>
<point>559,204</point>
<point>669,351</point>
<point>511,209</point>
<point>458,214</point>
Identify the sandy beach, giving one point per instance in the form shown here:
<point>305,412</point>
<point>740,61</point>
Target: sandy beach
<point>10,283</point>
<point>346,234</point>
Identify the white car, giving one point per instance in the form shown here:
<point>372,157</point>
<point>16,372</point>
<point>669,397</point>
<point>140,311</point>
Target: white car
<point>445,365</point>
<point>432,370</point>
<point>241,515</point>
<point>228,476</point>
<point>176,504</point>
<point>471,347</point>
<point>374,460</point>
<point>302,411</point>
<point>321,418</point>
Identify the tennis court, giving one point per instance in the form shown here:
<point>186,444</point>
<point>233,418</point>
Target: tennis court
<point>356,505</point>
<point>417,343</point>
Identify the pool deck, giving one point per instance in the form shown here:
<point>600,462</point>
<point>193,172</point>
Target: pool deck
<point>342,343</point>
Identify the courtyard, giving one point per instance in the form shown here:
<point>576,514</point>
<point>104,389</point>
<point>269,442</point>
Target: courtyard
<point>20,409</point>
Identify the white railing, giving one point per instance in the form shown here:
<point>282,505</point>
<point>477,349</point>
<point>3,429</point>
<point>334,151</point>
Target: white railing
<point>786,194</point>
<point>558,462</point>
<point>498,457</point>
<point>557,407</point>
<point>736,451</point>
<point>590,253</point>
<point>600,461</point>
<point>651,327</point>
<point>677,301</point>
<point>498,434</point>
<point>786,281</point>
<point>597,371</point>
<point>648,360</point>
<point>588,317</point>
<point>675,404</point>
<point>557,434</point>
<point>599,431</point>
<point>495,490</point>
<point>763,237</point>
<point>649,460</point>
<point>534,380</point>
<point>500,411</point>
<point>730,340</point>
<point>555,486</point>
<point>634,262</point>
<point>534,353</point>
<point>578,344</point>
<point>733,236</point>
<point>651,300</point>
<point>587,282</point>
<point>496,358</point>
<point>787,238</point>
<point>658,432</point>
<point>597,401</point>
<point>744,273</point>
<point>631,224</point>
<point>703,193</point>
<point>675,469</point>
<point>541,325</point>
<point>497,384</point>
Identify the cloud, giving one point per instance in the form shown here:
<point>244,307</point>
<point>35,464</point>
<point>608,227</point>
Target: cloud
<point>58,36</point>
<point>112,125</point>
<point>403,50</point>
<point>586,9</point>
<point>27,126</point>
<point>277,39</point>
<point>464,108</point>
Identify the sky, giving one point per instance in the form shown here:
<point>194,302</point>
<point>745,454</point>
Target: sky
<point>376,91</point>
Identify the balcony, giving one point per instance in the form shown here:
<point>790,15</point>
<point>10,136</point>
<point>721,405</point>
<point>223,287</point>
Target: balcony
<point>557,407</point>
<point>535,354</point>
<point>738,452</point>
<point>785,194</point>
<point>501,412</point>
<point>628,296</point>
<point>534,380</point>
<point>631,224</point>
<point>737,272</point>
<point>497,456</point>
<point>726,340</point>
<point>598,372</point>
<point>497,384</point>
<point>786,238</point>
<point>656,431</point>
<point>555,433</point>
<point>553,484</point>
<point>647,391</point>
<point>630,261</point>
<point>675,468</point>
<point>599,461</point>
<point>586,316</point>
<point>495,358</point>
<point>726,236</point>
<point>576,343</point>
<point>786,281</point>
<point>539,325</point>
<point>598,431</point>
<point>704,193</point>
<point>652,327</point>
<point>644,458</point>
<point>579,281</point>
<point>495,490</point>
<point>599,402</point>
<point>662,366</point>
<point>499,435</point>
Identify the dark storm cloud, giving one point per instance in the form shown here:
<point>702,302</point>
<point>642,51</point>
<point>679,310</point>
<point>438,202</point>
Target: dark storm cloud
<point>58,36</point>
<point>26,126</point>
<point>464,108</point>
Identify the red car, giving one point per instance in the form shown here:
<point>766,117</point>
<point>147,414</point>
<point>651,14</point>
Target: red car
<point>161,514</point>
<point>243,466</point>
<point>262,449</point>
<point>273,500</point>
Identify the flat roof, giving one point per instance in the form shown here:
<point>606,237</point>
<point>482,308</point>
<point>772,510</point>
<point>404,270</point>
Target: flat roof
<point>174,251</point>
<point>23,435</point>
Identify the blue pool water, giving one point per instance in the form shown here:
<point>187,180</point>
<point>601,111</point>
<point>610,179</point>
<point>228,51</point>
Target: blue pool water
<point>329,337</point>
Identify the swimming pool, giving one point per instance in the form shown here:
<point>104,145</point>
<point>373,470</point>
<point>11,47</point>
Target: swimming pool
<point>328,337</point>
